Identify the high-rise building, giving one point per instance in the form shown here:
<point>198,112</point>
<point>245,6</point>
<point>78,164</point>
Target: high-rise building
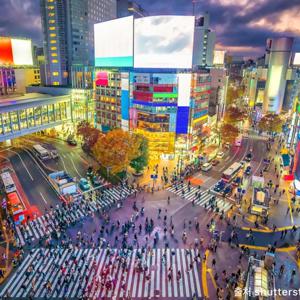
<point>279,54</point>
<point>127,8</point>
<point>68,34</point>
<point>204,42</point>
<point>151,88</point>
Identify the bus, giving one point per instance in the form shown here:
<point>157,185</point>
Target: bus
<point>41,152</point>
<point>231,172</point>
<point>8,183</point>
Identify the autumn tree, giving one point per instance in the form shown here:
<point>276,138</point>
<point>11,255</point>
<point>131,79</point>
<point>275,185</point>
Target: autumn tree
<point>139,163</point>
<point>116,149</point>
<point>271,123</point>
<point>234,114</point>
<point>89,134</point>
<point>228,133</point>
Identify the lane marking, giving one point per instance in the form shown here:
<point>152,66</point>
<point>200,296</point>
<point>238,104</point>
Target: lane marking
<point>80,176</point>
<point>23,163</point>
<point>43,197</point>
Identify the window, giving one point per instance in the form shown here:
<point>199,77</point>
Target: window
<point>53,54</point>
<point>53,48</point>
<point>52,34</point>
<point>50,7</point>
<point>52,41</point>
<point>52,28</point>
<point>55,83</point>
<point>55,73</point>
<point>54,61</point>
<point>51,14</point>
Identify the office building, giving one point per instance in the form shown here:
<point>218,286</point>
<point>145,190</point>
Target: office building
<point>68,34</point>
<point>127,8</point>
<point>204,42</point>
<point>279,54</point>
<point>155,93</point>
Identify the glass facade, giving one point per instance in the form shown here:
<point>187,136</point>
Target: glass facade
<point>23,118</point>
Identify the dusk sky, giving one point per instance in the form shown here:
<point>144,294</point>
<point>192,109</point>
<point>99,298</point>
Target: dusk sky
<point>242,26</point>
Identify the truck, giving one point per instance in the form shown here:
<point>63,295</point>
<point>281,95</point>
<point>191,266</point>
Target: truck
<point>63,183</point>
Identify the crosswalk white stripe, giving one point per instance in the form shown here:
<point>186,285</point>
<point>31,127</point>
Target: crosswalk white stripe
<point>23,267</point>
<point>147,283</point>
<point>20,236</point>
<point>178,259</point>
<point>197,279</point>
<point>168,266</point>
<point>158,266</point>
<point>184,271</point>
<point>154,265</point>
<point>163,281</point>
<point>105,261</point>
<point>130,273</point>
<point>135,279</point>
<point>190,273</point>
<point>174,271</point>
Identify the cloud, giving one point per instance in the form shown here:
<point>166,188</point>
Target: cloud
<point>21,18</point>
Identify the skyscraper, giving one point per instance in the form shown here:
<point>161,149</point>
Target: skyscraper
<point>204,42</point>
<point>279,54</point>
<point>68,34</point>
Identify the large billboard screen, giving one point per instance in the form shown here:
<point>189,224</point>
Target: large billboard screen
<point>114,43</point>
<point>296,61</point>
<point>16,52</point>
<point>163,42</point>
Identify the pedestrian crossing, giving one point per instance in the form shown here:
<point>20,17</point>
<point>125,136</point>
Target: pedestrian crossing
<point>192,194</point>
<point>43,226</point>
<point>97,274</point>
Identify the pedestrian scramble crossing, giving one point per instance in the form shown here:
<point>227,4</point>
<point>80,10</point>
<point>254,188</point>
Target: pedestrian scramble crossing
<point>192,194</point>
<point>95,274</point>
<point>43,226</point>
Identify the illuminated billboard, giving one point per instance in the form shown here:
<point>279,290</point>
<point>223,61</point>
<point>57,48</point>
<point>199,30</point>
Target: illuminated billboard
<point>16,52</point>
<point>163,42</point>
<point>114,43</point>
<point>219,57</point>
<point>296,61</point>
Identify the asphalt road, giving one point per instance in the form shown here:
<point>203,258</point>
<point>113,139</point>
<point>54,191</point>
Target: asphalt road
<point>33,181</point>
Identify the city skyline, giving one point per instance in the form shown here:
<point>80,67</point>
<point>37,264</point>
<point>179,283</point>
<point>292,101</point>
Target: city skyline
<point>241,28</point>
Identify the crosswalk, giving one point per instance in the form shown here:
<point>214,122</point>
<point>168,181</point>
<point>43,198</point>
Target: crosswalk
<point>190,194</point>
<point>46,224</point>
<point>95,274</point>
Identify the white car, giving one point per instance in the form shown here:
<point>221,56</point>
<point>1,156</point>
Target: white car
<point>206,167</point>
<point>220,155</point>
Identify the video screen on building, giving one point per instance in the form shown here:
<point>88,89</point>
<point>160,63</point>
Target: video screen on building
<point>114,43</point>
<point>296,61</point>
<point>163,42</point>
<point>16,52</point>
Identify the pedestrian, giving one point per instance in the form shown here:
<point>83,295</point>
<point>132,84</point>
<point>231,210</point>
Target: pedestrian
<point>213,263</point>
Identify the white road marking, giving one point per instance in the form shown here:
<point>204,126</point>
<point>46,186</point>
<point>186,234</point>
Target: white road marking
<point>43,197</point>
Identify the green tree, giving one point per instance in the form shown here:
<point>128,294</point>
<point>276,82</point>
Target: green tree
<point>271,123</point>
<point>139,163</point>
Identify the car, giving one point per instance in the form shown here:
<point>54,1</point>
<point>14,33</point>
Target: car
<point>248,170</point>
<point>84,184</point>
<point>228,190</point>
<point>206,167</point>
<point>219,186</point>
<point>215,162</point>
<point>72,142</point>
<point>237,181</point>
<point>248,157</point>
<point>220,155</point>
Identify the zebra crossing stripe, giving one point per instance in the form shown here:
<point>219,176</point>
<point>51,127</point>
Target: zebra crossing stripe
<point>20,236</point>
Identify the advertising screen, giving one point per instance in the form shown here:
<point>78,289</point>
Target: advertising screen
<point>296,61</point>
<point>114,43</point>
<point>219,57</point>
<point>15,51</point>
<point>163,42</point>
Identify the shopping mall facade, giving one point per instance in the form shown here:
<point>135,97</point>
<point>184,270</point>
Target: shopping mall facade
<point>166,104</point>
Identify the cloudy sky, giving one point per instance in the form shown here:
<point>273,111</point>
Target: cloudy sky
<point>242,26</point>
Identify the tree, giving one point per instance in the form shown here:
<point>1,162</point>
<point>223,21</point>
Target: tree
<point>139,163</point>
<point>234,114</point>
<point>271,123</point>
<point>228,133</point>
<point>116,149</point>
<point>89,134</point>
